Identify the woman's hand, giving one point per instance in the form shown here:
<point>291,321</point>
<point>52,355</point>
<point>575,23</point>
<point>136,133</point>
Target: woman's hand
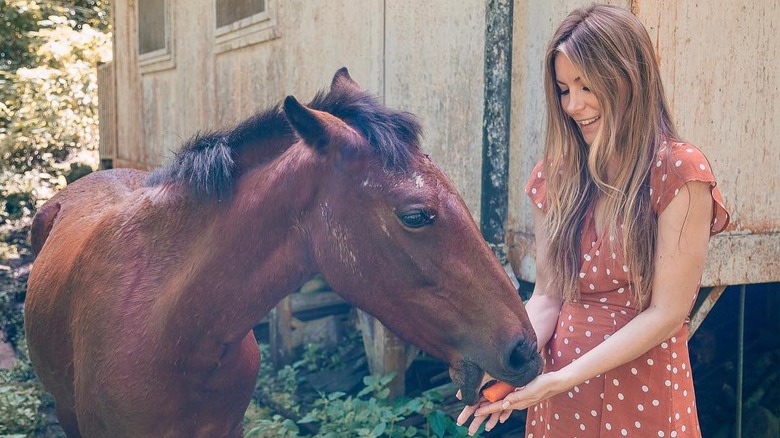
<point>543,386</point>
<point>492,419</point>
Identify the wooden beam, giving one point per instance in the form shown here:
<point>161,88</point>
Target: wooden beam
<point>280,332</point>
<point>386,352</point>
<point>703,309</point>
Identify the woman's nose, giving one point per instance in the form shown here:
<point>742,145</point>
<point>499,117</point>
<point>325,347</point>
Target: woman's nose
<point>575,103</point>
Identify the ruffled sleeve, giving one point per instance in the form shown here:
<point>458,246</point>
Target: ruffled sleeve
<point>676,165</point>
<point>536,187</point>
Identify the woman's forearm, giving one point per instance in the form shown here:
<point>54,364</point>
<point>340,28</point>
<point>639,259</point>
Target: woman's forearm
<point>648,329</point>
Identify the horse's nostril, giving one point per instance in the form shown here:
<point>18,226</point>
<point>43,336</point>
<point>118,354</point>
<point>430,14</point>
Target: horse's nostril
<point>523,352</point>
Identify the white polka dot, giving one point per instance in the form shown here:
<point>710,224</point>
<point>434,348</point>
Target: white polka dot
<point>677,163</point>
<point>592,287</point>
<point>689,410</point>
<point>674,355</point>
<point>677,416</point>
<point>597,253</point>
<point>664,345</point>
<point>603,299</point>
<point>682,428</point>
<point>615,382</point>
<point>658,164</point>
<point>668,382</point>
<point>621,396</point>
<point>594,269</point>
<point>673,434</point>
<point>582,427</point>
<point>685,394</point>
<point>621,290</point>
<point>609,272</point>
<point>625,268</point>
<point>609,407</point>
<point>645,388</point>
<point>587,306</point>
<point>623,432</point>
<point>533,422</point>
<point>650,361</point>
<point>702,167</point>
<point>577,389</point>
<point>637,424</point>
<point>557,417</point>
<point>663,177</point>
<point>640,407</point>
<point>587,333</point>
<point>539,204</point>
<point>674,339</point>
<point>615,281</point>
<point>590,319</point>
<point>634,371</point>
<point>656,403</point>
<point>606,337</point>
<point>661,433</point>
<point>566,341</point>
<point>577,415</point>
<point>571,328</point>
<point>676,191</point>
<point>533,190</point>
<point>582,275</point>
<point>594,413</point>
<point>577,350</point>
<point>689,150</point>
<point>586,257</point>
<point>608,426</point>
<point>571,394</point>
<point>559,353</point>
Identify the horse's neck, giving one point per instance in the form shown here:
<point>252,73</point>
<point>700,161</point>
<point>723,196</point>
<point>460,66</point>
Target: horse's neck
<point>252,252</point>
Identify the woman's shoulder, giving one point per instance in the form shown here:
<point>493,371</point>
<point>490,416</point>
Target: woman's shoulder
<point>676,164</point>
<point>536,187</point>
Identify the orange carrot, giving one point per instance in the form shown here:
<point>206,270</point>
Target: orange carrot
<point>497,391</point>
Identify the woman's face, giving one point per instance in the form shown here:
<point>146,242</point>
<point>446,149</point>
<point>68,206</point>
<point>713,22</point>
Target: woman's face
<point>576,98</point>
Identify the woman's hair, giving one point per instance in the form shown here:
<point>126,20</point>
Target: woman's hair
<point>615,54</point>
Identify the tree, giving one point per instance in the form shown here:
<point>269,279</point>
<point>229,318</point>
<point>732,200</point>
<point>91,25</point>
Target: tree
<point>48,96</point>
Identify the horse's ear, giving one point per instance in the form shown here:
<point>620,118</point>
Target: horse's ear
<point>342,78</point>
<point>306,123</point>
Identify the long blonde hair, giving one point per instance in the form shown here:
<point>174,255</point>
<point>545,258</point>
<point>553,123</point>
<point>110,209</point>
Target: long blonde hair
<point>615,54</point>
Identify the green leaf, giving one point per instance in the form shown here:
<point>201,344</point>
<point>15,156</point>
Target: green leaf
<point>379,429</point>
<point>438,422</point>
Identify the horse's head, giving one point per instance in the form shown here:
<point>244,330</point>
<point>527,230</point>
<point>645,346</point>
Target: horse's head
<point>390,233</point>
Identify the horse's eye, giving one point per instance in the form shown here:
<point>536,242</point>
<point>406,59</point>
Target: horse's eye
<point>417,218</point>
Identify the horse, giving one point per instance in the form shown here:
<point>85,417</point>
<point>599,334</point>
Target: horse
<point>146,286</point>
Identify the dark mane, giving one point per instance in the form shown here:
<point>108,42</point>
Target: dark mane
<point>206,162</point>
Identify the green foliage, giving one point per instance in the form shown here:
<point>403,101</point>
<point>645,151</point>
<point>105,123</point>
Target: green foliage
<point>48,105</point>
<point>368,413</point>
<point>21,397</point>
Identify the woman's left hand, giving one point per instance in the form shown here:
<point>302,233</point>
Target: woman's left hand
<point>543,386</point>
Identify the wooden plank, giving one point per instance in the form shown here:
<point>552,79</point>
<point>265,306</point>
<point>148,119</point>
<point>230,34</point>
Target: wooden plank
<point>280,332</point>
<point>704,307</point>
<point>386,352</point>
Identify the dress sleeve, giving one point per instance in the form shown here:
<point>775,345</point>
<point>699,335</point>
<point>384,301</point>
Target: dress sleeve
<point>536,187</point>
<point>676,165</point>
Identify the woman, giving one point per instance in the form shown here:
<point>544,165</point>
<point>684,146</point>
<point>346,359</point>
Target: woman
<point>623,214</point>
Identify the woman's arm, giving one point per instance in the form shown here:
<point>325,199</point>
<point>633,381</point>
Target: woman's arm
<point>545,305</point>
<point>681,249</point>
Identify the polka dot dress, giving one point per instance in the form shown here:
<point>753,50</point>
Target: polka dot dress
<point>651,396</point>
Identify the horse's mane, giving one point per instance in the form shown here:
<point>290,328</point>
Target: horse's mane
<point>206,162</point>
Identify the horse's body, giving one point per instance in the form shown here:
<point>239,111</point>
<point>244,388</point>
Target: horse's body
<point>142,299</point>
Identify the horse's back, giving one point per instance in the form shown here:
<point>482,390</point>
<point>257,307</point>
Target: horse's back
<point>88,196</point>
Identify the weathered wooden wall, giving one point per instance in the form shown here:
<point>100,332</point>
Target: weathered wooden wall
<point>719,62</point>
<point>721,70</point>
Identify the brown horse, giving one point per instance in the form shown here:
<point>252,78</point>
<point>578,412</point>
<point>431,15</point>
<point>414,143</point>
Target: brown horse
<point>141,303</point>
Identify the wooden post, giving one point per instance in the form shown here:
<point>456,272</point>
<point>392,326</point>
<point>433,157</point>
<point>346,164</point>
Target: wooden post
<point>280,332</point>
<point>700,312</point>
<point>386,352</point>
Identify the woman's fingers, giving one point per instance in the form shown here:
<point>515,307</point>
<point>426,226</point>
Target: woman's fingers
<point>467,412</point>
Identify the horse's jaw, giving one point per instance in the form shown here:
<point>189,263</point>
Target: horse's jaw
<point>468,377</point>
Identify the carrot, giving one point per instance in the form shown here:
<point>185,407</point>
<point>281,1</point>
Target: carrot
<point>497,391</point>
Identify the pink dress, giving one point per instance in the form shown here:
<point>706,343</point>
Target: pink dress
<point>651,396</point>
